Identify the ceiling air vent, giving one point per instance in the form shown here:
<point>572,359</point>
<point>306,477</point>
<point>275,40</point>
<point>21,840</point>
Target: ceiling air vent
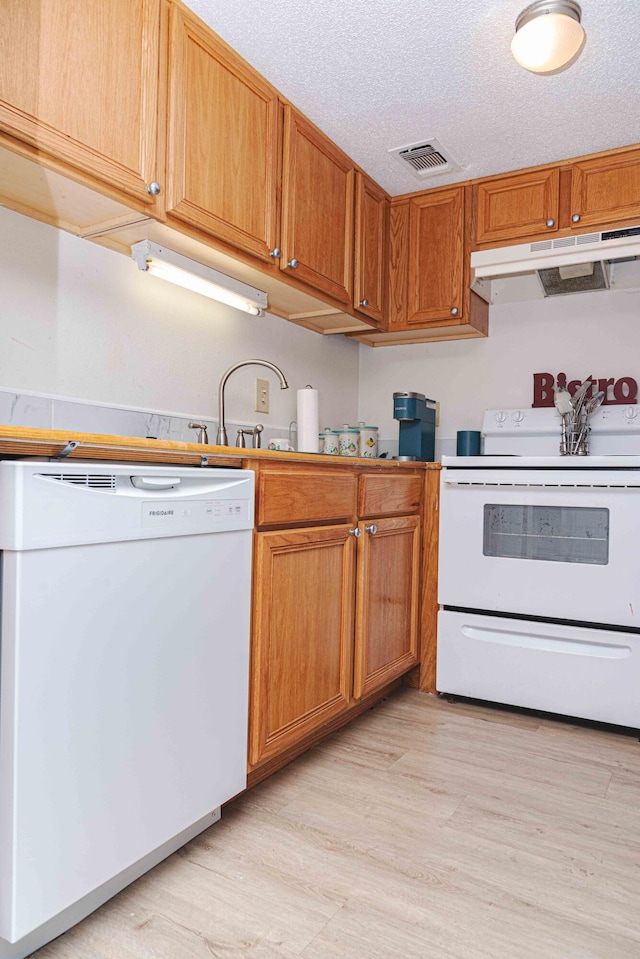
<point>425,159</point>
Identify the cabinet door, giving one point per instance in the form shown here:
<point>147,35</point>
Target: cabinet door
<point>372,227</point>
<point>436,245</point>
<point>302,653</point>
<point>223,140</point>
<point>605,190</point>
<point>317,209</point>
<point>79,82</point>
<point>517,206</point>
<point>388,593</point>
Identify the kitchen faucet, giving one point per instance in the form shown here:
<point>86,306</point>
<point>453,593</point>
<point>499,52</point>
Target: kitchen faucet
<point>221,436</point>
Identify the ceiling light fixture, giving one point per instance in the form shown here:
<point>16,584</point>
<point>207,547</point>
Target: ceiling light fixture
<point>191,275</point>
<point>548,35</point>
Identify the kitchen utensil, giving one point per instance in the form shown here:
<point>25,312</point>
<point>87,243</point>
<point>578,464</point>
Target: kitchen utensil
<point>562,400</point>
<point>563,403</point>
<point>578,397</point>
<point>588,408</point>
<point>592,404</point>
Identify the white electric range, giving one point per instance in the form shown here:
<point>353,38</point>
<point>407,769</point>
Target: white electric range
<point>539,568</point>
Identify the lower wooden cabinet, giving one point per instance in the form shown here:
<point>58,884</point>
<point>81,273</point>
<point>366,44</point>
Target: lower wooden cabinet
<point>335,619</point>
<point>302,652</point>
<point>386,633</point>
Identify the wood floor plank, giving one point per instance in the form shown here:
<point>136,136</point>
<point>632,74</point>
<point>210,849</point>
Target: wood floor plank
<point>427,828</point>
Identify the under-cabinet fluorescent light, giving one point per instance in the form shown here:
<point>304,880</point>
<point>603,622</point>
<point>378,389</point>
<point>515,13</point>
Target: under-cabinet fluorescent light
<point>191,275</point>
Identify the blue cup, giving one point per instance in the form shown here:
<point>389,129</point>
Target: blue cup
<point>468,443</point>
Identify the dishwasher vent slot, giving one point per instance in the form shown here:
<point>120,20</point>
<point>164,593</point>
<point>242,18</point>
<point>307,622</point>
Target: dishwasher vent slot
<point>101,481</point>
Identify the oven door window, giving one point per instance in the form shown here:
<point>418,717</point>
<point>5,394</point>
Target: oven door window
<point>556,534</point>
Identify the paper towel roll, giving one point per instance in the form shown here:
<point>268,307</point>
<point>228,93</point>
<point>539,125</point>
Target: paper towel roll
<point>308,422</point>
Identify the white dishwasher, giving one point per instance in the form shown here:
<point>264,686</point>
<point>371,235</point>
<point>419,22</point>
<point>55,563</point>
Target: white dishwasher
<point>125,609</point>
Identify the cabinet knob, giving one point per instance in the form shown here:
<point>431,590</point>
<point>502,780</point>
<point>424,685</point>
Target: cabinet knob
<point>293,263</point>
<point>153,188</point>
<point>364,303</point>
<point>275,253</point>
<point>575,218</point>
<point>357,532</point>
<point>373,529</point>
<point>551,222</point>
<point>454,311</point>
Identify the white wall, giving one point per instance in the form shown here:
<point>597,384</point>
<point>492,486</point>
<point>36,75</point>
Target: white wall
<point>589,333</point>
<point>80,321</point>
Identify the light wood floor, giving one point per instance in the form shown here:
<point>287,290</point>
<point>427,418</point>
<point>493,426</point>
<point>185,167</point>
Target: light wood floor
<point>426,828</point>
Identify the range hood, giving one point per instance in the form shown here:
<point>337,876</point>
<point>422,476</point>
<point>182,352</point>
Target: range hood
<point>569,264</point>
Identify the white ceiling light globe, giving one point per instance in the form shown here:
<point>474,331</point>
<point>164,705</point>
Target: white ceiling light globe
<point>548,35</point>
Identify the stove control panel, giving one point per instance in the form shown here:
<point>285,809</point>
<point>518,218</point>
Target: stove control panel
<point>536,432</point>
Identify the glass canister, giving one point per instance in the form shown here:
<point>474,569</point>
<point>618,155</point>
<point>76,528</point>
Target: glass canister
<point>368,440</point>
<point>347,441</point>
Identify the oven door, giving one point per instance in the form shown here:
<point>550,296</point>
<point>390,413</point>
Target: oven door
<point>551,543</point>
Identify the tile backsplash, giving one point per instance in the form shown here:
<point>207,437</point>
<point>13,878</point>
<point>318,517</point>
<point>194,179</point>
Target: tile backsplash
<point>26,409</point>
<point>45,411</point>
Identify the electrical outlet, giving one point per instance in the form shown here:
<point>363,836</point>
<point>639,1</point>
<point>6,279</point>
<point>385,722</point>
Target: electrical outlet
<point>262,396</point>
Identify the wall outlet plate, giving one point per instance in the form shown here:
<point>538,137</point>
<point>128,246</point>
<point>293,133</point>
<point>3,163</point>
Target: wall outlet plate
<point>262,396</point>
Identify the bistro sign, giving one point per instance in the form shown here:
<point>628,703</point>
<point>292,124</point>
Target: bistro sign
<point>620,392</point>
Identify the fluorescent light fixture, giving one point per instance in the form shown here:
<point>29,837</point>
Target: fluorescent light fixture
<point>191,275</point>
<point>548,35</point>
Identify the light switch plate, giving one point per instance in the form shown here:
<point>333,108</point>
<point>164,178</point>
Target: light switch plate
<point>262,396</point>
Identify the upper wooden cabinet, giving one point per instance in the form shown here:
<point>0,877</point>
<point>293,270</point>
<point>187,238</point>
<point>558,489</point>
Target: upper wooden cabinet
<point>594,192</point>
<point>79,84</point>
<point>317,209</point>
<point>605,190</point>
<point>429,296</point>
<point>517,206</point>
<point>436,251</point>
<point>224,143</point>
<point>371,248</point>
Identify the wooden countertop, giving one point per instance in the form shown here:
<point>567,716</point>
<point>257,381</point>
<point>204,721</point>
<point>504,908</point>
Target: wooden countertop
<point>20,441</point>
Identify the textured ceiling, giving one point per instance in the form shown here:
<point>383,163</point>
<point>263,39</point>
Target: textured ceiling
<point>376,75</point>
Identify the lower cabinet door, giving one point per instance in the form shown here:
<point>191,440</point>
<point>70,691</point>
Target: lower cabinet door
<point>386,638</point>
<point>302,653</point>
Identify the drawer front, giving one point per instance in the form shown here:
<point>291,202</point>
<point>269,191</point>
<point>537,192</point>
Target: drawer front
<point>291,497</point>
<point>389,495</point>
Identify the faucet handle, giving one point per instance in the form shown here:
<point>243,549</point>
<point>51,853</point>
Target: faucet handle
<point>203,436</point>
<point>254,432</point>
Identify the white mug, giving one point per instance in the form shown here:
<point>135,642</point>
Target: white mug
<point>279,443</point>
